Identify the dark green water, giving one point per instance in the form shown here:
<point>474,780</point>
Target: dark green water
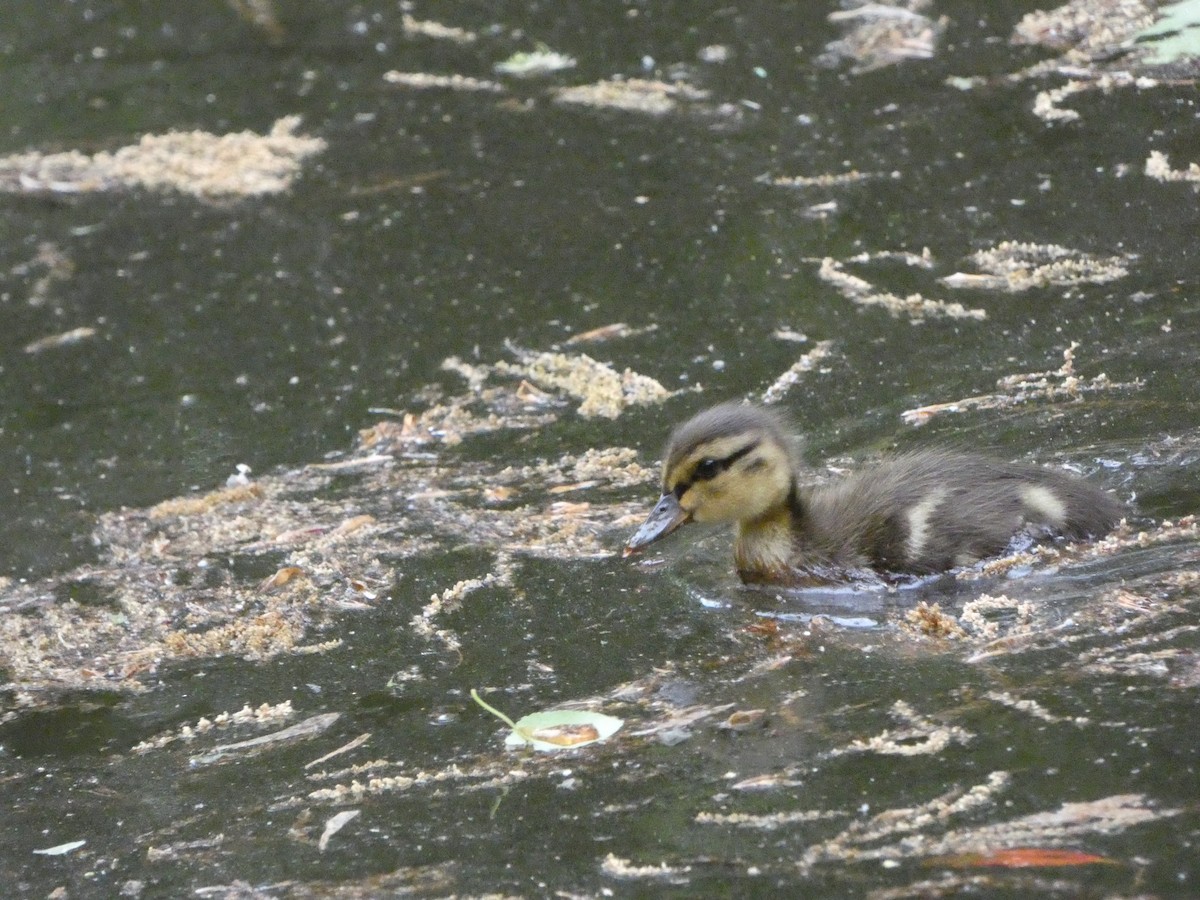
<point>440,223</point>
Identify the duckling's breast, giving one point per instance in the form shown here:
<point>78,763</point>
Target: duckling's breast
<point>765,549</point>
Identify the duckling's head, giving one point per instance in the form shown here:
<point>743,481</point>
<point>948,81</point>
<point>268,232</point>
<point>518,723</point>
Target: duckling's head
<point>730,463</point>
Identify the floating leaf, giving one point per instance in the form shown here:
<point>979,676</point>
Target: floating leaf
<point>1020,858</point>
<point>556,729</point>
<point>1175,36</point>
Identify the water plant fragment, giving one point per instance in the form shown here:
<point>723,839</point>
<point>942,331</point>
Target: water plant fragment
<point>541,61</point>
<point>60,849</point>
<point>1020,858</point>
<point>556,729</point>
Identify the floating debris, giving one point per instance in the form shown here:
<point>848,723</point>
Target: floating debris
<point>263,16</point>
<point>55,266</point>
<point>862,293</point>
<point>492,774</point>
<point>617,867</point>
<point>789,379</point>
<point>449,600</point>
<point>198,505</point>
<point>541,61</point>
<point>766,821</point>
<point>883,34</point>
<point>1123,537</point>
<point>327,553</point>
<point>1046,105</point>
<point>1033,709</point>
<point>1098,42</point>
<point>426,81</point>
<point>65,339</point>
<point>1143,629</point>
<point>1150,629</point>
<point>656,98</point>
<point>1158,167</point>
<point>785,333</point>
<point>987,618</point>
<point>1019,858</point>
<point>714,54</point>
<point>265,714</point>
<point>833,179</point>
<point>302,731</point>
<point>60,849</point>
<point>1060,384</point>
<point>437,31</point>
<point>335,824</point>
<point>910,828</point>
<point>920,736</point>
<point>1071,821</point>
<point>608,333</point>
<point>180,850</point>
<point>603,391</point>
<point>744,720</point>
<point>931,621</point>
<point>1084,29</point>
<point>203,165</point>
<point>1014,266</point>
<point>773,782</point>
<point>911,824</point>
<point>676,720</point>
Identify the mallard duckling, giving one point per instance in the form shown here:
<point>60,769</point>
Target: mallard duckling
<point>915,513</point>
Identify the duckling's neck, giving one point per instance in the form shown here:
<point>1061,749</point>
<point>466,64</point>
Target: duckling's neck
<point>764,546</point>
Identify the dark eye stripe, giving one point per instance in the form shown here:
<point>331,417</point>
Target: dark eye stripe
<point>708,469</point>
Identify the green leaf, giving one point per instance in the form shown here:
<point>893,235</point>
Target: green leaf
<point>556,729</point>
<point>1174,36</point>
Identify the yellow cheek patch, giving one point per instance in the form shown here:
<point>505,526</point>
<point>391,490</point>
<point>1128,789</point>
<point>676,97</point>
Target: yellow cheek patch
<point>702,500</point>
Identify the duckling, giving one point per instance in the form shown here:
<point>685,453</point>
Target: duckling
<point>915,513</point>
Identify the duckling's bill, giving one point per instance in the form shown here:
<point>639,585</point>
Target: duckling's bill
<point>666,516</point>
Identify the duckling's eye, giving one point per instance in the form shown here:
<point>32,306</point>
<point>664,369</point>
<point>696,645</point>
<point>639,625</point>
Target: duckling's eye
<point>708,469</point>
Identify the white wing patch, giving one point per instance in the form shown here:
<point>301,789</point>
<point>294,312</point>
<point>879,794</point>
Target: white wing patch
<point>918,522</point>
<point>1044,504</point>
